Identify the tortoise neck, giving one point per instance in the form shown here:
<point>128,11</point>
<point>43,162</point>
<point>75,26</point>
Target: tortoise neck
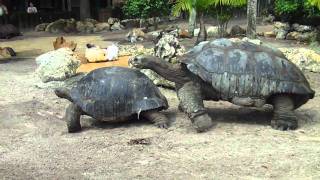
<point>171,72</point>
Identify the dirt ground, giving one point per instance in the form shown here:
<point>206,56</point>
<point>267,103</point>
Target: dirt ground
<point>34,143</point>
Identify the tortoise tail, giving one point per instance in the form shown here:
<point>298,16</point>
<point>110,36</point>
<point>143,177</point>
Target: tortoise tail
<point>63,93</point>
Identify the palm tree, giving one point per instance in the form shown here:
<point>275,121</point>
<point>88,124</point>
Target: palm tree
<point>251,18</point>
<point>315,3</point>
<point>201,6</point>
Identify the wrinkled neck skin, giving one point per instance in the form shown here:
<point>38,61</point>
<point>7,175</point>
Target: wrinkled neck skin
<point>171,72</point>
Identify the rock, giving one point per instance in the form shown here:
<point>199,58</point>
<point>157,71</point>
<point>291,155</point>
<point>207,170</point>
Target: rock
<point>237,30</point>
<point>116,26</point>
<point>101,27</point>
<point>305,59</point>
<point>92,21</point>
<point>41,27</point>
<point>131,23</point>
<point>85,27</point>
<point>57,65</point>
<point>112,20</point>
<point>254,41</point>
<point>62,25</point>
<point>196,32</point>
<point>70,26</point>
<point>301,28</point>
<point>293,35</point>
<point>136,34</point>
<point>60,42</point>
<point>168,47</point>
<point>268,19</point>
<point>307,36</point>
<point>132,50</point>
<point>68,83</point>
<point>212,31</point>
<point>153,21</point>
<point>281,29</point>
<point>281,34</point>
<point>269,34</point>
<point>281,25</point>
<point>157,79</point>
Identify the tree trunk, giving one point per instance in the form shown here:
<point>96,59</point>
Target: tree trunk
<point>63,4</point>
<point>192,20</point>
<point>84,9</point>
<point>202,36</point>
<point>251,18</point>
<point>69,5</point>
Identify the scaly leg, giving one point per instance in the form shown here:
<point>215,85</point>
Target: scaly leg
<point>191,101</point>
<point>283,117</point>
<point>72,117</point>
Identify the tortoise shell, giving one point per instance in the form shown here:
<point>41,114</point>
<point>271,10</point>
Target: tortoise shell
<point>116,92</point>
<point>243,69</point>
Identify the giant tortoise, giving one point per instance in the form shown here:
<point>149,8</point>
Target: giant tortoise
<point>242,73</point>
<point>114,94</point>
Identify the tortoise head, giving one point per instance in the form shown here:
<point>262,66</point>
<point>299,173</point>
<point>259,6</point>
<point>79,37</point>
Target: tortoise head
<point>142,61</point>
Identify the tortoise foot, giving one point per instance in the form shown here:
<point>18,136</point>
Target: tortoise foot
<point>284,123</point>
<point>203,123</point>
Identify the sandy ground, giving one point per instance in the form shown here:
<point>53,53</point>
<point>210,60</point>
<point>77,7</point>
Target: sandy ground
<point>34,143</point>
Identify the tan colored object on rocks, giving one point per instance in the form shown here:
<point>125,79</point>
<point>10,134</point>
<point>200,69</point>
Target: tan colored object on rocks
<point>62,43</point>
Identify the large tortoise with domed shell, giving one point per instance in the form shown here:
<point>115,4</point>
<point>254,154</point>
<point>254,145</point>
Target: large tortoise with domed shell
<point>114,94</point>
<point>242,73</point>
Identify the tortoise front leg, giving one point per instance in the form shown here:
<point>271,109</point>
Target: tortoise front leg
<point>191,101</point>
<point>283,117</point>
<point>159,119</point>
<point>72,117</point>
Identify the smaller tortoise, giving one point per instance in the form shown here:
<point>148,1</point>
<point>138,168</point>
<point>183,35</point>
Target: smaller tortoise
<point>242,73</point>
<point>114,94</point>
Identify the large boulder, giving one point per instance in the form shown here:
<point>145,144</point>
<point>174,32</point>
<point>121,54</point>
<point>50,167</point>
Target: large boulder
<point>62,25</point>
<point>293,35</point>
<point>112,20</point>
<point>41,27</point>
<point>268,19</point>
<point>101,27</point>
<point>305,59</point>
<point>212,31</point>
<point>237,30</point>
<point>85,27</point>
<point>136,34</point>
<point>281,29</point>
<point>116,26</point>
<point>168,48</point>
<point>301,28</point>
<point>92,21</point>
<point>57,65</point>
<point>131,23</point>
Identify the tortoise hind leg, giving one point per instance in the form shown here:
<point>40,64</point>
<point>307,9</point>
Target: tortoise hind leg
<point>72,117</point>
<point>159,119</point>
<point>283,116</point>
<point>191,101</point>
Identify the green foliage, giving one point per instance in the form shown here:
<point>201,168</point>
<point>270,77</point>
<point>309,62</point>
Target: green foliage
<point>203,5</point>
<point>315,3</point>
<point>297,8</point>
<point>146,8</point>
